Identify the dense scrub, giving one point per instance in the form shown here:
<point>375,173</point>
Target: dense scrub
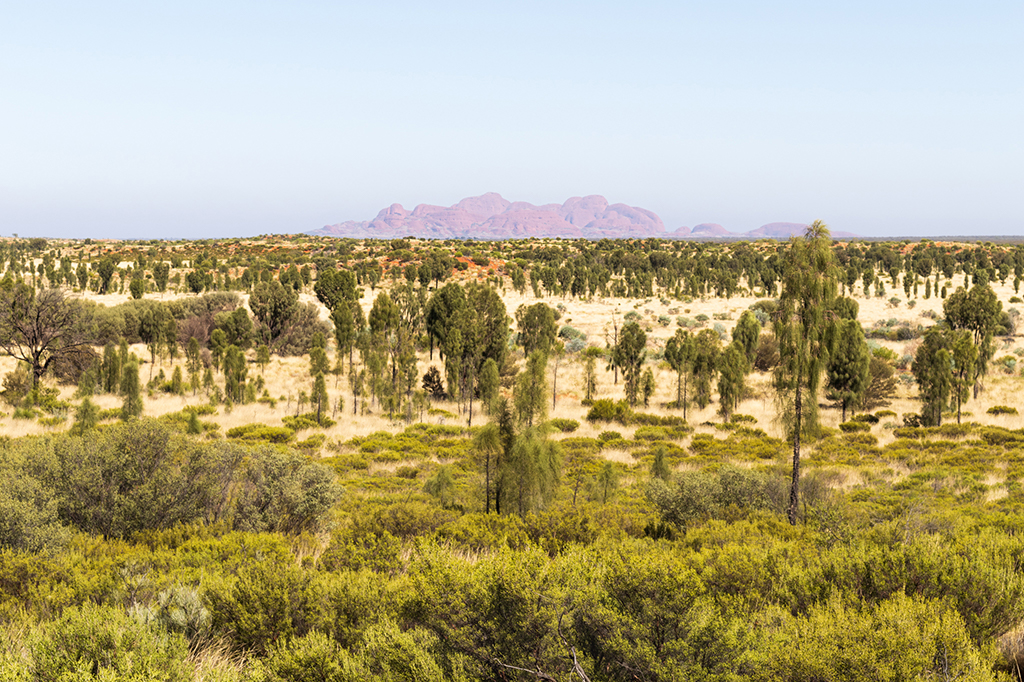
<point>219,560</point>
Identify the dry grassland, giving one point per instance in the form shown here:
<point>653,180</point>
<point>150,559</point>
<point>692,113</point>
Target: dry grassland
<point>287,377</point>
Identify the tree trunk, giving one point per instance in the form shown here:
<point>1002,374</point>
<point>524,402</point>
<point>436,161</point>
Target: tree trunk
<point>554,385</point>
<point>794,486</point>
<point>487,482</point>
<point>685,380</point>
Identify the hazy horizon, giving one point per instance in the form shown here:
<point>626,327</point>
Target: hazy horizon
<point>222,119</point>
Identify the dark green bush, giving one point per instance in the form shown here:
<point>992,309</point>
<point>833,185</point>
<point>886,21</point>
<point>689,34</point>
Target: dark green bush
<point>608,411</point>
<point>261,432</point>
<point>564,425</point>
<point>106,643</point>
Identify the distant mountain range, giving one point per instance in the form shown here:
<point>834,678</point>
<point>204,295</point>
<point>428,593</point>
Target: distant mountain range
<point>492,217</point>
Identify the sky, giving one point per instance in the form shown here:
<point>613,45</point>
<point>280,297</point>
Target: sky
<point>217,118</point>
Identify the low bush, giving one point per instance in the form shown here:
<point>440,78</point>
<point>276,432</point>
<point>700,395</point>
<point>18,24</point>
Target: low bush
<point>307,421</point>
<point>106,643</point>
<point>261,432</point>
<point>853,426</point>
<point>605,410</point>
<point>1002,409</point>
<point>564,425</point>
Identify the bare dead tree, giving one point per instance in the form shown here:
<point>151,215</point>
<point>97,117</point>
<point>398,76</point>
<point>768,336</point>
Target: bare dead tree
<point>40,328</point>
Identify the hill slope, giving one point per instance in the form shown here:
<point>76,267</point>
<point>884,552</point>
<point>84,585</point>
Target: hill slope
<point>492,217</point>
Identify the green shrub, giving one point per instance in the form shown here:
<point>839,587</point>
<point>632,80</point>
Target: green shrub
<point>28,413</point>
<point>106,643</point>
<point>866,418</point>
<point>564,425</point>
<point>314,657</point>
<point>482,532</point>
<point>607,411</point>
<point>112,413</point>
<point>606,436</point>
<point>269,602</point>
<point>652,433</point>
<point>261,432</point>
<point>1001,409</point>
<point>312,444</point>
<point>700,495</point>
<point>356,549</point>
<point>284,492</point>
<point>407,472</point>
<point>742,419</point>
<point>995,435</point>
<point>852,426</point>
<point>307,421</point>
<point>56,420</point>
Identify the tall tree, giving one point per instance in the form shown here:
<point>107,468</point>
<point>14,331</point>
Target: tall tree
<point>964,358</point>
<point>537,327</point>
<point>319,398</point>
<point>275,307</point>
<point>131,390</point>
<point>848,366</point>
<point>235,371</point>
<point>933,370</point>
<point>441,312</point>
<point>533,471</point>
<point>590,355</point>
<point>706,349</point>
<point>193,362</point>
<point>679,352</point>
<point>105,269</point>
<point>344,330</point>
<point>732,369</point>
<point>161,271</point>
<point>809,283</point>
<point>747,332</point>
<point>531,389</point>
<point>629,354</point>
<point>979,311</point>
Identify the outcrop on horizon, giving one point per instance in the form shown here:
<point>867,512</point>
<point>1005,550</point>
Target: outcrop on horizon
<point>492,217</point>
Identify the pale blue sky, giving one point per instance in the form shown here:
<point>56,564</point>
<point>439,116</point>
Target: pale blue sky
<point>198,119</point>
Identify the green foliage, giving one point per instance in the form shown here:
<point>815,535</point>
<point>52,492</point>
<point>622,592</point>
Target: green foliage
<point>607,411</point>
<point>537,327</point>
<point>849,364</point>
<point>629,354</point>
<point>355,549</point>
<point>106,643</point>
<point>933,371</point>
<point>131,391</point>
<point>267,603</point>
<point>261,432</point>
<point>695,496</point>
<point>564,425</point>
<point>531,390</point>
<point>284,492</point>
<point>732,369</point>
<point>1001,409</point>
